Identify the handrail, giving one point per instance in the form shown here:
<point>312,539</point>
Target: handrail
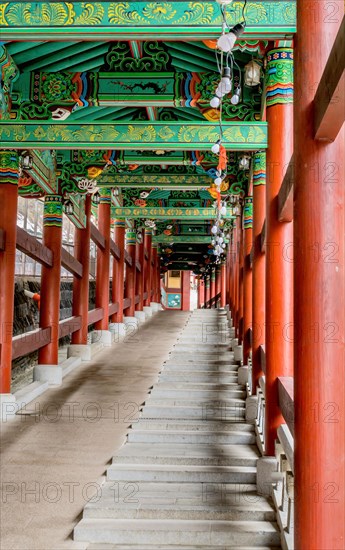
<point>212,301</point>
<point>263,358</point>
<point>286,402</point>
<point>70,263</point>
<point>97,237</point>
<point>32,247</point>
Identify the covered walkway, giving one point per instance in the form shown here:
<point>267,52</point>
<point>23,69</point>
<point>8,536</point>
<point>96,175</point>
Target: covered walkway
<point>55,452</point>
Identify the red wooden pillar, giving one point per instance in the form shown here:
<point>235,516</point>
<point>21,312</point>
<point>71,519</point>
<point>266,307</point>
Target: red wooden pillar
<point>201,292</point>
<point>218,284</point>
<point>279,237</point>
<point>139,281</point>
<point>207,291</point>
<point>247,276</point>
<point>155,273</point>
<point>119,270</point>
<point>130,271</point>
<point>259,213</point>
<point>185,291</point>
<point>236,274</point>
<point>50,279</point>
<point>9,173</point>
<point>148,275</point>
<point>80,305</point>
<point>240,281</point>
<point>223,279</point>
<point>213,285</point>
<point>103,260</point>
<point>319,302</point>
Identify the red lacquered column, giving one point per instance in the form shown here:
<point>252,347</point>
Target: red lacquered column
<point>103,260</point>
<point>279,237</point>
<point>223,280</point>
<point>50,279</point>
<point>9,173</point>
<point>80,305</point>
<point>139,282</point>
<point>149,273</point>
<point>119,270</point>
<point>130,271</point>
<point>259,213</point>
<point>319,303</point>
<point>247,276</point>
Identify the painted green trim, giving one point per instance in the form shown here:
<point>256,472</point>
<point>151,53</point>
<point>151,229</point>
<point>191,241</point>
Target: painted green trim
<point>181,239</point>
<point>170,182</point>
<point>141,135</point>
<point>145,20</point>
<point>166,213</point>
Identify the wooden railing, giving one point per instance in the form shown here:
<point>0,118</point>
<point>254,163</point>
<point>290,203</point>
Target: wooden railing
<point>212,302</point>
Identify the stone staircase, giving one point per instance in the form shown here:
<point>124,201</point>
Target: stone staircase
<point>186,477</point>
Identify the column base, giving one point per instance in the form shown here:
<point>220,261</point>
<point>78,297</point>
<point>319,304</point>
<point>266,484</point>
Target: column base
<point>8,406</point>
<point>243,373</point>
<point>156,306</point>
<point>104,337</point>
<point>238,353</point>
<point>148,311</point>
<point>141,316</point>
<point>266,475</point>
<point>48,373</point>
<point>233,343</point>
<point>251,409</point>
<point>119,331</point>
<point>80,350</point>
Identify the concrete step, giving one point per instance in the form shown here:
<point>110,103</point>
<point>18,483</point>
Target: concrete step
<point>209,368</point>
<point>198,377</point>
<point>204,412</point>
<point>211,503</point>
<point>181,473</point>
<point>197,402</point>
<point>104,546</point>
<point>177,532</point>
<point>184,360</point>
<point>193,387</point>
<point>161,393</point>
<point>195,454</point>
<point>178,437</point>
<point>188,425</point>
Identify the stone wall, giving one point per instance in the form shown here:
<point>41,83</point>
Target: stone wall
<point>26,316</point>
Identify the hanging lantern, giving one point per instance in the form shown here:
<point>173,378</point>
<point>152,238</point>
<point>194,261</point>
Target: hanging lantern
<point>252,73</point>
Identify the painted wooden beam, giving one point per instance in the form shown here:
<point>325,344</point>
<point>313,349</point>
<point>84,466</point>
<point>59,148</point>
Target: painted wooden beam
<point>329,111</point>
<point>141,135</point>
<point>181,239</point>
<point>29,245</point>
<point>167,213</point>
<point>170,182</point>
<point>285,195</point>
<point>145,20</point>
<point>97,237</point>
<point>70,263</point>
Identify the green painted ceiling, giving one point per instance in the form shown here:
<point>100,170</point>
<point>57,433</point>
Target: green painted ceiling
<point>150,178</point>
